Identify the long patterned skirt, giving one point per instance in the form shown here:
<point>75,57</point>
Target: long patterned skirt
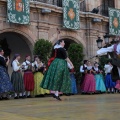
<point>57,77</point>
<point>38,76</point>
<point>5,84</point>
<point>88,85</point>
<point>108,81</point>
<point>28,81</point>
<point>17,81</point>
<point>73,81</point>
<point>100,85</point>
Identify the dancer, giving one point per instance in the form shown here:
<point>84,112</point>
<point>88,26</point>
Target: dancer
<point>100,86</point>
<point>110,85</point>
<point>83,68</point>
<point>5,84</point>
<point>88,85</point>
<point>73,80</point>
<point>57,77</point>
<point>38,76</point>
<point>28,76</point>
<point>16,77</point>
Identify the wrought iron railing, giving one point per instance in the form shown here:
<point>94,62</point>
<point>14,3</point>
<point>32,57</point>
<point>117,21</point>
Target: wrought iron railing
<point>52,2</point>
<point>103,10</point>
<point>83,6</point>
<point>59,3</point>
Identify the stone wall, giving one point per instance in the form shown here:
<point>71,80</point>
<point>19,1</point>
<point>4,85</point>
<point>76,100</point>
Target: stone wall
<point>45,26</point>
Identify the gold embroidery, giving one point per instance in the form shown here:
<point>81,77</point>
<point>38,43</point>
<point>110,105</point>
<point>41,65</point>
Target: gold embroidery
<point>71,14</point>
<point>115,22</point>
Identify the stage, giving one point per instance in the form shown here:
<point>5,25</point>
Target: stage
<point>76,107</point>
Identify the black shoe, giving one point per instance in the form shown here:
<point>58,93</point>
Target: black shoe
<point>23,97</point>
<point>54,96</point>
<point>5,98</point>
<point>1,98</point>
<point>57,97</point>
<point>29,96</point>
<point>16,97</point>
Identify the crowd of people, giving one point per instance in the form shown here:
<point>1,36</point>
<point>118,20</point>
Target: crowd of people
<point>94,81</point>
<point>33,79</point>
<point>27,79</point>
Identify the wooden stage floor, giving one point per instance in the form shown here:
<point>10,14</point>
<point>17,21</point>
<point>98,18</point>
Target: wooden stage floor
<point>77,107</point>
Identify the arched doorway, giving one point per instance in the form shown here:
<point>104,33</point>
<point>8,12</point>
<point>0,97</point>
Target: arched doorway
<point>13,43</point>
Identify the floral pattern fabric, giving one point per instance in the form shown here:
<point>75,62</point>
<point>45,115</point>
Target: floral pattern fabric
<point>57,78</point>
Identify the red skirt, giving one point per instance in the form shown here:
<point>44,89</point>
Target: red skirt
<point>28,81</point>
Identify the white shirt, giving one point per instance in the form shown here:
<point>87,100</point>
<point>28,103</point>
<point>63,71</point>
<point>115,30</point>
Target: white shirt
<point>118,49</point>
<point>26,65</point>
<point>35,63</point>
<point>2,56</point>
<point>104,51</point>
<point>16,65</point>
<point>108,68</point>
<point>69,66</point>
<point>96,68</point>
<point>81,68</point>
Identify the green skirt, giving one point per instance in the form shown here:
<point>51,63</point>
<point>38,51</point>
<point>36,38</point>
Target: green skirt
<point>57,77</point>
<point>17,81</point>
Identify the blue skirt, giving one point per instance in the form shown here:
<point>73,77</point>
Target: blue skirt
<point>108,81</point>
<point>5,83</point>
<point>73,85</point>
<point>100,85</point>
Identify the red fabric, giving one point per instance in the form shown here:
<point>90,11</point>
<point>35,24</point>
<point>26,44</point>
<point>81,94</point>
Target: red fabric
<point>28,81</point>
<point>72,70</point>
<point>52,58</point>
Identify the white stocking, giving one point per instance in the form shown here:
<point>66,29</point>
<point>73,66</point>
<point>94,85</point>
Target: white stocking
<point>56,93</point>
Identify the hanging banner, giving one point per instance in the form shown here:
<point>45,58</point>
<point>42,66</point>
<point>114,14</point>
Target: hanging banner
<point>71,18</point>
<point>114,21</point>
<point>18,11</point>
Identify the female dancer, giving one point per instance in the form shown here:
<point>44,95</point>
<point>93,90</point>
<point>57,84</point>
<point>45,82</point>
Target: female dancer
<point>16,77</point>
<point>28,76</point>
<point>38,76</point>
<point>5,84</point>
<point>57,77</point>
<point>88,85</point>
<point>110,85</point>
<point>100,86</point>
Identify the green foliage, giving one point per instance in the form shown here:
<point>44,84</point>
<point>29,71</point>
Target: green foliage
<point>75,52</point>
<point>43,48</point>
<point>102,60</point>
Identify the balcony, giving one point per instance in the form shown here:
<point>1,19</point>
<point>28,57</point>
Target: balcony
<point>52,2</point>
<point>59,3</point>
<point>103,10</point>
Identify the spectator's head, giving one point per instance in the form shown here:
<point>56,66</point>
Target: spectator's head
<point>96,64</point>
<point>28,57</point>
<point>85,62</point>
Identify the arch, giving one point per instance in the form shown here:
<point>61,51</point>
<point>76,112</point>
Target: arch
<point>27,37</point>
<point>67,35</point>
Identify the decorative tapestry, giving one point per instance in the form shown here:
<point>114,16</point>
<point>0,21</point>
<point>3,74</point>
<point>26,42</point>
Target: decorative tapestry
<point>114,21</point>
<point>71,18</point>
<point>18,11</point>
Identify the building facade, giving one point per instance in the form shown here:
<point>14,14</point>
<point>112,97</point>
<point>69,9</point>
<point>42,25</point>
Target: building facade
<point>21,38</point>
